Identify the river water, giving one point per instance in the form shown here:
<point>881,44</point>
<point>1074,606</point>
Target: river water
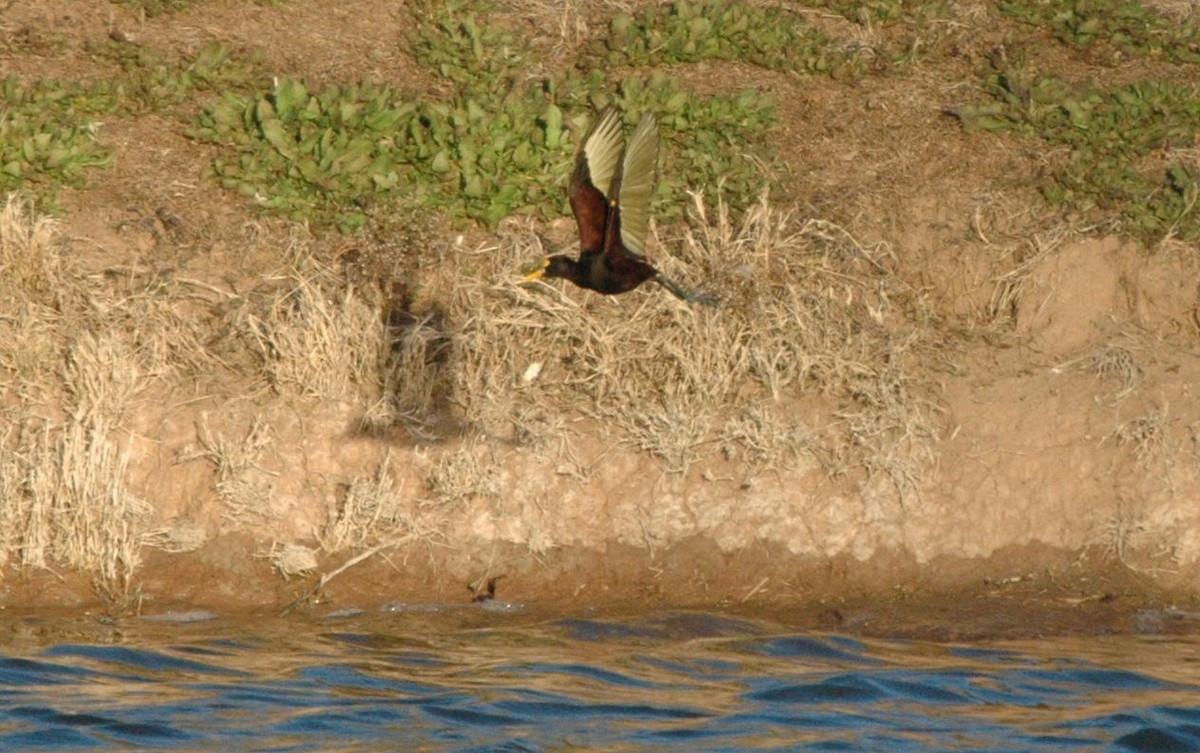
<point>492,679</point>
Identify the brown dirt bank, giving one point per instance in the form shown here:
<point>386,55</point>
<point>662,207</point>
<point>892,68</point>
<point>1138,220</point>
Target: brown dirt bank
<point>1025,592</point>
<point>927,406</point>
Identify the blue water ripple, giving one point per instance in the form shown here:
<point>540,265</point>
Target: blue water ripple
<point>683,682</point>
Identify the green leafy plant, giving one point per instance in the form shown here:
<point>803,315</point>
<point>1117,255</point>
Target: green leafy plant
<point>308,155</point>
<point>685,32</point>
<point>151,82</point>
<point>496,145</point>
<point>45,140</point>
<point>1119,142</point>
<point>1125,24</point>
<point>450,40</point>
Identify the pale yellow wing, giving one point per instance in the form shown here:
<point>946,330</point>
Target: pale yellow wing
<point>601,148</point>
<point>637,184</point>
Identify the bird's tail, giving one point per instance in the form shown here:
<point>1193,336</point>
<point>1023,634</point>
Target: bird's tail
<point>682,293</point>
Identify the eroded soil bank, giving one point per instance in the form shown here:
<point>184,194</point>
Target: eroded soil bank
<point>929,405</point>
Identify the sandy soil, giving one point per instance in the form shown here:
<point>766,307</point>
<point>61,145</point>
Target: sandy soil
<point>1058,495</point>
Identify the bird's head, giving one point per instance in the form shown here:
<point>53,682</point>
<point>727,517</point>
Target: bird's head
<point>554,266</point>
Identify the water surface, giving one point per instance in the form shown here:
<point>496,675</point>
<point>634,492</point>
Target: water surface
<point>490,681</point>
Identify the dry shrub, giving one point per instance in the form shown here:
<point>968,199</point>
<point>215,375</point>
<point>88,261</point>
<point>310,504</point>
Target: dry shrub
<point>317,336</point>
<point>243,487</point>
<point>70,373</point>
<point>373,511</point>
<point>65,502</point>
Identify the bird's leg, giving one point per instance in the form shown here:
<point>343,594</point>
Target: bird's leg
<point>681,293</point>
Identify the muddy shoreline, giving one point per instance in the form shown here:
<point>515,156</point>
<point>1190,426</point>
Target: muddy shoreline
<point>1025,592</point>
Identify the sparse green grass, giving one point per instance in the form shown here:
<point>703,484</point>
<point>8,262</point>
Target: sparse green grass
<point>1125,25</point>
<point>1124,144</point>
<point>48,127</point>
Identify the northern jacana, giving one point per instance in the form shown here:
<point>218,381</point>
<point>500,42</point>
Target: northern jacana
<point>610,197</point>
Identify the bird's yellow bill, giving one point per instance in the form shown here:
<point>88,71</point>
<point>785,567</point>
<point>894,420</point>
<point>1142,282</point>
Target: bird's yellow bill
<point>537,273</point>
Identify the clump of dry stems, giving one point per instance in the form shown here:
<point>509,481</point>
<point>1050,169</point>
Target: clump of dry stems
<point>804,309</point>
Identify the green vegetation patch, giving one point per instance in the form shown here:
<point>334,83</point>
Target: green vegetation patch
<point>688,32</point>
<point>1121,144</point>
<point>150,82</point>
<point>499,143</point>
<point>1128,26</point>
<point>45,138</point>
<point>890,11</point>
<point>330,156</point>
<point>47,127</point>
<point>473,56</point>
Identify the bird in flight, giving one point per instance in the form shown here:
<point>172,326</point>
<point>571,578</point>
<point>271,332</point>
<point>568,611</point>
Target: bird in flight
<point>610,196</point>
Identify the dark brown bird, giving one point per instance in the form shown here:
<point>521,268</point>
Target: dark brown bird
<point>610,197</point>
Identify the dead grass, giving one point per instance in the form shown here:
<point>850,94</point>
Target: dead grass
<point>31,277</point>
<point>65,502</point>
<point>467,473</point>
<point>373,511</point>
<point>317,337</point>
<point>1149,438</point>
<point>64,495</point>
<point>244,488</point>
<point>805,310</point>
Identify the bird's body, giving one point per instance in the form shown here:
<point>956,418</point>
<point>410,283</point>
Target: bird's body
<point>610,197</point>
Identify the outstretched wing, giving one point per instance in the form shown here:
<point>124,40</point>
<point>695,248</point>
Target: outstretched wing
<point>637,184</point>
<point>596,162</point>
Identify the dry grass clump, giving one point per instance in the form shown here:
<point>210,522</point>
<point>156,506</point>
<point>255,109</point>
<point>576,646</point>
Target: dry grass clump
<point>178,538</point>
<point>243,487</point>
<point>1115,363</point>
<point>291,559</point>
<point>64,501</point>
<point>372,512</point>
<point>317,337</point>
<point>101,376</point>
<point>70,376</point>
<point>31,289</point>
<point>462,475</point>
<point>1149,437</point>
<point>805,309</point>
